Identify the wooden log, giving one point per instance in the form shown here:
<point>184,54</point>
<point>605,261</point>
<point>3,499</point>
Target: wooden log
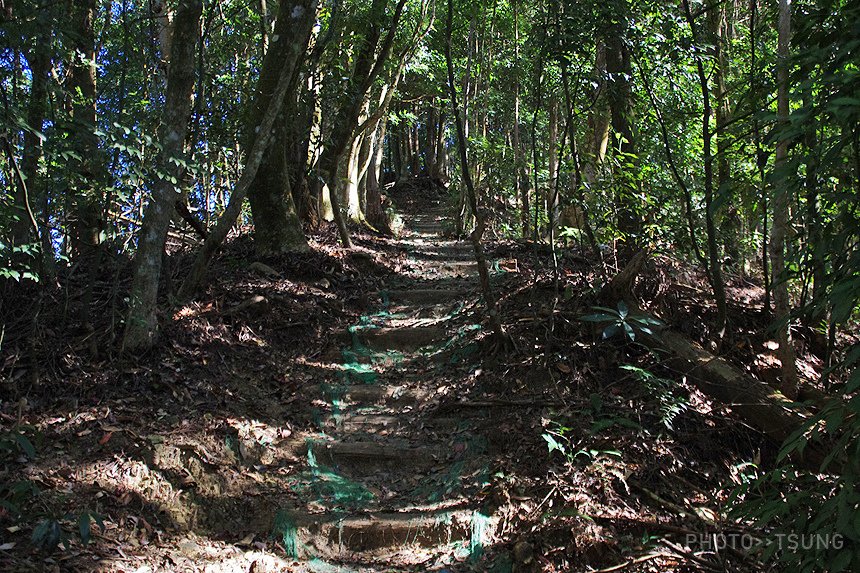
<point>619,287</point>
<point>764,408</point>
<point>758,404</point>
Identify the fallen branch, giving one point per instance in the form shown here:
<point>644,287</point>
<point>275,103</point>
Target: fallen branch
<point>759,405</point>
<point>764,408</point>
<point>500,403</point>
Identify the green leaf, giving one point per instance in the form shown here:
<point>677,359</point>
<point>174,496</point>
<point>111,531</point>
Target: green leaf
<point>26,446</point>
<point>629,330</point>
<point>46,536</point>
<point>853,381</point>
<point>84,527</point>
<point>841,561</point>
<point>611,331</point>
<point>834,420</point>
<point>645,319</point>
<point>623,311</point>
<point>552,443</point>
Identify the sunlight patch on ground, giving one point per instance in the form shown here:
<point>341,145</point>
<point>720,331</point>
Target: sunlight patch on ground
<point>193,553</point>
<point>132,480</point>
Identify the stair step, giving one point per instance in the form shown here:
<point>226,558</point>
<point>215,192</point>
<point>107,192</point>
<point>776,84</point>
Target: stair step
<point>370,394</point>
<point>327,536</point>
<point>391,423</point>
<point>425,296</point>
<point>401,339</point>
<point>358,456</point>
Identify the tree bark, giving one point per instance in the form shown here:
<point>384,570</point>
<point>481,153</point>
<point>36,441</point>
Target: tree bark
<point>714,264</point>
<point>302,14</point>
<point>620,99</point>
<point>374,211</point>
<point>366,70</point>
<point>40,63</point>
<point>520,178</point>
<point>277,227</point>
<point>598,121</point>
<point>489,296</point>
<point>780,226</point>
<point>142,325</point>
<point>552,203</point>
<point>755,402</point>
<point>88,168</point>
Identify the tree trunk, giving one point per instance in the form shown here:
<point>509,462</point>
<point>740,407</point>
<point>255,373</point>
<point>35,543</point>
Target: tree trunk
<point>366,70</point>
<point>36,199</point>
<point>729,215</point>
<point>520,179</point>
<point>598,122</point>
<point>375,214</point>
<point>620,97</point>
<point>780,226</point>
<point>714,264</point>
<point>88,167</point>
<point>489,296</point>
<point>277,228</point>
<point>552,203</point>
<point>302,14</point>
<point>430,141</point>
<point>142,325</point>
<point>754,401</point>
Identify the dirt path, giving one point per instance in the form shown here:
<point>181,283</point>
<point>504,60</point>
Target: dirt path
<point>243,452</point>
<point>387,484</point>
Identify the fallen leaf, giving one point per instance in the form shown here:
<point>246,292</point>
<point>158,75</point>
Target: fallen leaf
<point>106,438</point>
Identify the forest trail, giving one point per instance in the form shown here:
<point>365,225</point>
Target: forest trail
<point>387,483</point>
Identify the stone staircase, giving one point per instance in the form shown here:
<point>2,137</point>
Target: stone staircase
<point>387,486</point>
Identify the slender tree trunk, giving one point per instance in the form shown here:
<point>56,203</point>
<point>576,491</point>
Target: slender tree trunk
<point>714,263</point>
<point>760,158</point>
<point>728,215</point>
<point>520,178</point>
<point>598,121</point>
<point>264,26</point>
<point>375,214</point>
<point>366,70</point>
<point>489,296</point>
<point>142,325</point>
<point>782,195</point>
<point>552,204</point>
<point>40,66</point>
<point>620,97</point>
<point>88,167</point>
<point>430,140</point>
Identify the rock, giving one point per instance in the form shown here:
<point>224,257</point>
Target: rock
<point>264,270</point>
<point>257,304</point>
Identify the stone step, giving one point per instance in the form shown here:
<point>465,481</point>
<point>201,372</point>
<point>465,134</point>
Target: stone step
<point>427,228</point>
<point>425,296</point>
<point>371,394</point>
<point>328,536</point>
<point>392,424</point>
<point>435,257</point>
<point>362,457</point>
<point>428,217</point>
<point>400,339</point>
